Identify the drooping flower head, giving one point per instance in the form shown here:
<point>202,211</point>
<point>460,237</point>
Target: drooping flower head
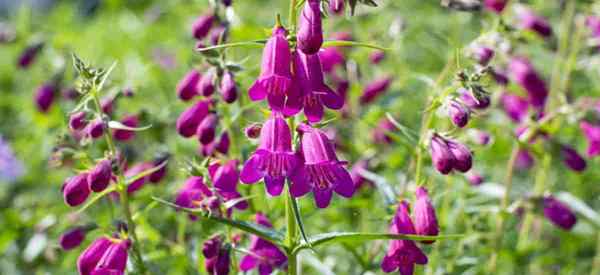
<point>29,55</point>
<point>381,132</point>
<point>592,134</point>
<point>99,177</point>
<point>89,258</point>
<point>558,213</point>
<point>77,121</point>
<point>375,89</point>
<point>134,171</point>
<point>188,121</point>
<point>264,255</point>
<point>483,55</point>
<point>514,106</point>
<point>310,30</point>
<point>95,128</point>
<point>195,194</point>
<point>424,215</point>
<point>76,190</point>
<point>206,86</point>
<point>572,159</point>
<point>524,74</point>
<point>187,88</point>
<point>207,128</point>
<point>463,159</point>
<point>274,159</point>
<point>217,256</point>
<point>321,172</point>
<point>459,114</point>
<point>114,259</point>
<point>45,96</point>
<point>474,98</point>
<point>376,57</point>
<point>228,88</point>
<point>441,156</point>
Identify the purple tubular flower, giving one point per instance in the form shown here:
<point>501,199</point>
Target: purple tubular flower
<point>264,255</point>
<point>474,178</point>
<point>321,172</point>
<point>275,80</point>
<point>207,128</point>
<point>592,134</point>
<point>479,101</point>
<point>95,129</point>
<point>134,171</point>
<point>424,213</point>
<point>380,134</point>
<point>525,75</point>
<point>107,104</point>
<point>72,238</point>
<point>29,55</point>
<point>207,84</point>
<point>336,6</point>
<point>114,259</point>
<point>376,57</point>
<point>202,25</point>
<point>188,121</point>
<point>187,87</point>
<point>218,34</point>
<point>441,156</point>
<point>309,78</point>
<point>463,159</point>
<point>228,88</point>
<point>458,113</point>
<point>524,159</point>
<point>515,106</point>
<point>125,135</point>
<point>225,177</point>
<point>330,58</point>
<point>44,97</point>
<point>310,30</point>
<point>253,130</point>
<point>531,21</point>
<point>572,159</point>
<point>77,121</point>
<point>274,159</point>
<point>558,213</point>
<point>483,55</point>
<point>374,90</point>
<point>217,256</point>
<point>402,255</point>
<point>76,190</point>
<point>159,174</point>
<point>496,6</point>
<point>90,257</point>
<point>194,194</point>
<point>500,77</point>
<point>223,143</point>
<point>99,178</point>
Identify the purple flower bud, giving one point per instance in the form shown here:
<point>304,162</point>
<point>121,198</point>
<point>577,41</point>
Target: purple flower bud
<point>264,255</point>
<point>458,113</point>
<point>572,159</point>
<point>228,88</point>
<point>207,84</point>
<point>207,128</point>
<point>531,21</point>
<point>99,178</point>
<point>424,213</point>
<point>77,121</point>
<point>72,238</point>
<point>376,57</point>
<point>558,213</point>
<point>380,134</point>
<point>226,3</point>
<point>474,178</point>
<point>188,121</point>
<point>592,134</point>
<point>524,159</point>
<point>496,6</point>
<point>44,97</point>
<point>29,55</point>
<point>218,35</point>
<point>76,190</point>
<point>125,135</point>
<point>187,87</point>
<point>223,143</point>
<point>70,94</point>
<point>90,257</point>
<point>253,130</point>
<point>330,58</point>
<point>134,171</point>
<point>95,128</point>
<point>193,194</point>
<point>114,259</point>
<point>336,6</point>
<point>476,99</point>
<point>107,105</point>
<point>202,25</point>
<point>463,159</point>
<point>515,106</point>
<point>500,76</point>
<point>211,247</point>
<point>441,156</point>
<point>225,177</point>
<point>374,90</point>
<point>310,31</point>
<point>525,75</point>
<point>483,55</point>
<point>159,174</point>
<point>481,137</point>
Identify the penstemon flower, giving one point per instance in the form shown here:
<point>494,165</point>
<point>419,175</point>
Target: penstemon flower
<point>424,215</point>
<point>126,135</point>
<point>375,89</point>
<point>99,177</point>
<point>202,25</point>
<point>72,238</point>
<point>45,96</point>
<point>572,159</point>
<point>263,255</point>
<point>217,256</point>
<point>228,88</point>
<point>592,134</point>
<point>558,213</point>
<point>76,190</point>
<point>310,30</point>
<point>188,121</point>
<point>187,88</point>
<point>524,74</point>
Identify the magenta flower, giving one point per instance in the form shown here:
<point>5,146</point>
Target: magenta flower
<point>76,190</point>
<point>114,259</point>
<point>533,22</point>
<point>496,6</point>
<point>321,172</point>
<point>274,160</point>
<point>188,121</point>
<point>572,159</point>
<point>126,135</point>
<point>593,23</point>
<point>207,128</point>
<point>309,78</point>
<point>253,130</point>
<point>44,97</point>
<point>402,255</point>
<point>207,83</point>
<point>424,215</point>
<point>217,256</point>
<point>107,104</point>
<point>77,121</point>
<point>558,213</point>
<point>514,106</point>
<point>134,171</point>
<point>381,132</point>
<point>95,129</point>
<point>463,159</point>
<point>218,34</point>
<point>72,238</point>
<point>479,101</point>
<point>310,30</point>
<point>500,76</point>
<point>525,75</point>
<point>275,80</point>
<point>483,55</point>
<point>29,55</point>
<point>89,258</point>
<point>374,90</point>
<point>202,25</point>
<point>187,88</point>
<point>99,177</point>
<point>592,134</point>
<point>524,159</point>
<point>225,177</point>
<point>336,6</point>
<point>221,145</point>
<point>195,194</point>
<point>331,57</point>
<point>441,156</point>
<point>263,254</point>
<point>228,88</point>
<point>159,174</point>
<point>481,137</point>
<point>459,114</point>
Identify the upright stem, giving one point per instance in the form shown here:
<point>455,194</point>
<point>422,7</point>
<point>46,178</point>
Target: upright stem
<point>292,15</point>
<point>292,234</point>
<point>538,189</point>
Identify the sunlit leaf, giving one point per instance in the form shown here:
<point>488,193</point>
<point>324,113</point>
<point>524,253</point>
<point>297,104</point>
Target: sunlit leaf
<point>145,173</point>
<point>344,43</point>
<point>120,126</point>
<point>96,197</point>
<point>253,43</point>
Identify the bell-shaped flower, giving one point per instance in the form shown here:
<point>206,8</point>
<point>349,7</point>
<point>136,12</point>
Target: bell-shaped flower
<point>188,121</point>
<point>114,259</point>
<point>375,89</point>
<point>459,114</point>
<point>187,88</point>
<point>572,159</point>
<point>72,238</point>
<point>263,254</point>
<point>228,88</point>
<point>530,21</point>
<point>77,121</point>
<point>424,215</point>
<point>523,73</point>
<point>44,97</point>
<point>441,156</point>
<point>202,25</point>
<point>76,190</point>
<point>89,258</point>
<point>207,128</point>
<point>125,135</point>
<point>310,30</point>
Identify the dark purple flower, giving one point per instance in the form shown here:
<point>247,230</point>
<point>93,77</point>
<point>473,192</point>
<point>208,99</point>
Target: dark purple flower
<point>225,177</point>
<point>274,159</point>
<point>253,130</point>
<point>321,172</point>
<point>223,143</point>
<point>89,258</point>
<point>402,255</point>
<point>381,132</point>
<point>483,55</point>
<point>188,121</point>
<point>515,106</point>
<point>72,238</point>
<point>226,3</point>
<point>474,98</point>
<point>524,159</point>
<point>44,97</point>
<point>474,178</point>
<point>29,55</point>
<point>558,213</point>
<point>424,215</point>
<point>463,159</point>
<point>228,88</point>
<point>441,156</point>
<point>207,83</point>
<point>218,34</point>
<point>264,255</point>
<point>592,134</point>
<point>76,190</point>
<point>275,80</point>
<point>310,30</point>
<point>195,194</point>
<point>135,171</point>
<point>459,114</point>
<point>187,87</point>
<point>125,135</point>
<point>99,177</point>
<point>572,159</point>
<point>202,25</point>
<point>77,121</point>
<point>533,22</point>
<point>376,57</point>
<point>95,128</point>
<point>159,174</point>
<point>114,259</point>
<point>336,6</point>
<point>217,256</point>
<point>500,76</point>
<point>70,93</point>
<point>207,128</point>
<point>374,90</point>
<point>481,137</point>
<point>330,58</point>
<point>525,75</point>
<point>107,104</point>
<point>496,6</point>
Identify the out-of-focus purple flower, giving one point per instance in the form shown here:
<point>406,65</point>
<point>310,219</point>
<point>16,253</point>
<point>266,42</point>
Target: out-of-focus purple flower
<point>202,25</point>
<point>310,30</point>
<point>253,130</point>
<point>459,114</point>
<point>99,177</point>
<point>274,160</point>
<point>226,3</point>
<point>218,34</point>
<point>195,194</point>
<point>524,159</point>
<point>264,255</point>
<point>275,80</point>
<point>114,259</point>
<point>374,90</point>
<point>593,23</point>
<point>474,178</point>
<point>514,106</point>
<point>483,55</point>
<point>70,93</point>
<point>309,79</point>
<point>188,121</point>
<point>572,159</point>
<point>10,167</point>
<point>376,57</point>
<point>165,59</point>
<point>380,133</point>
<point>107,104</point>
<point>463,159</point>
<point>530,21</point>
<point>223,143</point>
<point>135,171</point>
<point>330,58</point>
<point>480,100</point>
<point>355,173</point>
<point>89,258</point>
<point>321,172</point>
<point>207,83</point>
<point>187,87</point>
<point>95,128</point>
<point>159,174</point>
<point>592,134</point>
<point>217,256</point>
<point>336,6</point>
<point>76,190</point>
<point>77,121</point>
<point>72,238</point>
<point>402,255</point>
<point>441,156</point>
<point>558,213</point>
<point>44,97</point>
<point>424,215</point>
<point>481,137</point>
<point>496,6</point>
<point>525,75</point>
<point>29,55</point>
<point>125,135</point>
<point>228,88</point>
<point>207,128</point>
<point>500,76</point>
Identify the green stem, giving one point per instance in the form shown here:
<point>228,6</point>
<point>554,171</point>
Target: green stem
<point>538,189</point>
<point>292,15</point>
<point>596,263</point>
<point>292,234</point>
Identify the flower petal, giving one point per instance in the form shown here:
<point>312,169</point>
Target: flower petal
<point>313,111</point>
<point>265,269</point>
<point>248,262</point>
<point>331,99</point>
<point>257,91</point>
<point>274,185</point>
<point>389,264</point>
<point>276,101</point>
<point>299,186</point>
<point>250,172</point>
<point>322,197</point>
<point>344,185</point>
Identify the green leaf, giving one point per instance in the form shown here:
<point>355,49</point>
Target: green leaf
<point>259,42</point>
<point>251,228</point>
<point>120,126</point>
<point>145,173</point>
<point>231,203</point>
<point>407,132</point>
<point>97,197</point>
<point>344,43</point>
<point>105,76</point>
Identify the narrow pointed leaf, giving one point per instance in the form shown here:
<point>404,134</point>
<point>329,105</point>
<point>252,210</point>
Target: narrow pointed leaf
<point>145,173</point>
<point>259,42</point>
<point>344,43</point>
<point>96,197</point>
<point>105,76</point>
<point>120,126</point>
